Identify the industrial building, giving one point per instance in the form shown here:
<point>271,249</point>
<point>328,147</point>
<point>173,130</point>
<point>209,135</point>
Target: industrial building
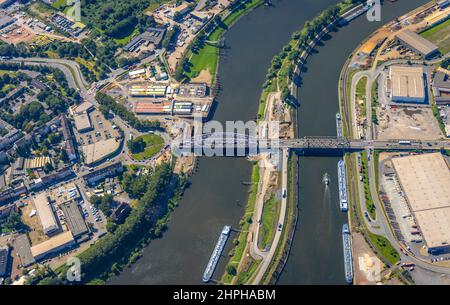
<point>53,245</point>
<point>83,107</point>
<point>74,219</point>
<point>148,91</point>
<point>82,122</point>
<point>45,213</point>
<point>417,43</point>
<point>407,84</point>
<point>441,88</point>
<point>443,3</point>
<point>23,249</point>
<point>6,21</point>
<point>98,151</point>
<point>425,179</point>
<point>150,108</point>
<point>151,35</point>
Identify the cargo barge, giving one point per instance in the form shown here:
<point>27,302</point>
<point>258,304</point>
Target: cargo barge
<point>218,249</point>
<point>348,260</point>
<point>342,182</point>
<point>340,134</point>
<point>353,14</point>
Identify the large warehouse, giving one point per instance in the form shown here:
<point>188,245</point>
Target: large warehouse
<point>407,84</point>
<point>417,43</point>
<point>425,180</point>
<point>45,213</point>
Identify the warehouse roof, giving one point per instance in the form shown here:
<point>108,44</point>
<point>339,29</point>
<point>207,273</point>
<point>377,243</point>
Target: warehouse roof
<point>98,151</point>
<point>45,213</point>
<point>52,244</point>
<point>74,219</point>
<point>407,82</point>
<point>82,121</point>
<point>83,107</point>
<point>425,179</point>
<point>417,42</point>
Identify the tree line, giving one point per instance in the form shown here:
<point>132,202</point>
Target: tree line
<point>107,104</point>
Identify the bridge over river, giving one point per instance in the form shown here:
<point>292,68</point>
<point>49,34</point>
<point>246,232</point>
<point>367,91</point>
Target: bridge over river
<point>235,144</point>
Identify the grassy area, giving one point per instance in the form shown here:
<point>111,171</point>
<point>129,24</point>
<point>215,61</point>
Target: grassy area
<point>59,4</point>
<point>154,144</point>
<point>241,241</point>
<point>247,271</point>
<point>375,102</point>
<point>439,35</point>
<point>348,85</point>
<point>385,247</point>
<point>367,194</point>
<point>437,115</point>
<point>361,96</point>
<point>208,56</point>
<point>269,221</point>
<point>124,40</point>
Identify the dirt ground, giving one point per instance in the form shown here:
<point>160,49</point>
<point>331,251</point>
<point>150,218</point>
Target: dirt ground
<point>20,34</point>
<point>36,232</point>
<point>367,267</point>
<point>203,77</point>
<point>408,123</point>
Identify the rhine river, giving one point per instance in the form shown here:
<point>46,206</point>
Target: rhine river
<point>217,196</point>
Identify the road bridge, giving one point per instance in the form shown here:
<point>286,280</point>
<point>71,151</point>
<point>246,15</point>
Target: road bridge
<point>235,145</point>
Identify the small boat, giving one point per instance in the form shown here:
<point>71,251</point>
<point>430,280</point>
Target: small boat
<point>326,179</point>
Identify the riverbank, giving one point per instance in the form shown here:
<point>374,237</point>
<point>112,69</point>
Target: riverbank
<point>367,215</point>
<point>280,76</point>
<point>200,63</point>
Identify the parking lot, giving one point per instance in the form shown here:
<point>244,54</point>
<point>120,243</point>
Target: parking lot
<point>102,129</point>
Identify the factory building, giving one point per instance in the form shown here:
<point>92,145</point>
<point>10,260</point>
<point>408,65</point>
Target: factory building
<point>424,180</point>
<point>154,91</point>
<point>45,213</point>
<point>417,43</point>
<point>150,108</point>
<point>407,84</point>
<point>53,245</point>
<point>441,88</point>
<point>82,122</point>
<point>74,219</point>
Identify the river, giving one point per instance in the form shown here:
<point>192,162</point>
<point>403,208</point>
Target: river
<point>217,196</point>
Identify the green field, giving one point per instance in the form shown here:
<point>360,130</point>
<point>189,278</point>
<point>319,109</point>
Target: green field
<point>154,144</point>
<point>361,95</point>
<point>241,241</point>
<point>208,56</point>
<point>385,247</point>
<point>440,36</point>
<point>370,206</point>
<point>269,220</point>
